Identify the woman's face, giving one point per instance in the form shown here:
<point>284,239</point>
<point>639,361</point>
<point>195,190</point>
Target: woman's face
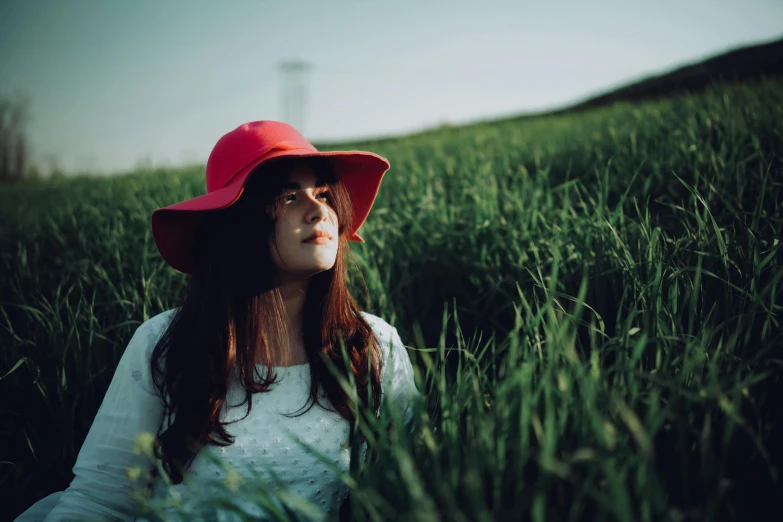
<point>305,210</point>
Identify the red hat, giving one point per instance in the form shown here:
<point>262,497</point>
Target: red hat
<point>229,165</point>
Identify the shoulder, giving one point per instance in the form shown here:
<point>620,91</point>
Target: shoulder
<point>383,330</point>
<point>391,346</point>
<point>135,360</point>
<point>156,325</point>
<point>149,332</point>
<point>397,375</point>
<point>375,321</point>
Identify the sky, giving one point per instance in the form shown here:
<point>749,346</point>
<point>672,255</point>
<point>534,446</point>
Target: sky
<point>113,84</point>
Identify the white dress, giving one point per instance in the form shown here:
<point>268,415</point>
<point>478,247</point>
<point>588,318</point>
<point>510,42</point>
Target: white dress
<point>267,443</point>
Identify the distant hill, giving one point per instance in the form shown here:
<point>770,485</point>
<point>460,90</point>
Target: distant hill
<point>747,63</point>
<point>739,65</point>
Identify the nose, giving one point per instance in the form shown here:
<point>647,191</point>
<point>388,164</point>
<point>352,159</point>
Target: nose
<point>319,212</point>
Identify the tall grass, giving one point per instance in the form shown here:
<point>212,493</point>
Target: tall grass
<point>592,303</point>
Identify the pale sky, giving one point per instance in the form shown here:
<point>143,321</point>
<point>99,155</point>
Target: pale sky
<point>113,81</point>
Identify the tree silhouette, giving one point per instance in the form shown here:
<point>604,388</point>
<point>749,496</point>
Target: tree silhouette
<point>14,153</point>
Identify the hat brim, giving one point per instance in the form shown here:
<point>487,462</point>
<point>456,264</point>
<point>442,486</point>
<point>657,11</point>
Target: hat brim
<point>175,227</point>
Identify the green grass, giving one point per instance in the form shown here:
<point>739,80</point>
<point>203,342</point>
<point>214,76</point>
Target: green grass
<point>593,304</point>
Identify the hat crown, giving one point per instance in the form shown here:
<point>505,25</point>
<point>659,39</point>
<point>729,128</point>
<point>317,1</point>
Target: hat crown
<point>242,146</point>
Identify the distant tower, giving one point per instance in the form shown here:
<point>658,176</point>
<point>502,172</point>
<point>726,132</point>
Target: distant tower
<point>293,92</point>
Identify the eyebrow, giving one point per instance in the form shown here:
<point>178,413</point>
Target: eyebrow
<point>296,185</point>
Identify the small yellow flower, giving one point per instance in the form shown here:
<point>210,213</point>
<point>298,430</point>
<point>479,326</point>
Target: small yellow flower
<point>233,480</point>
<point>134,473</point>
<point>143,444</point>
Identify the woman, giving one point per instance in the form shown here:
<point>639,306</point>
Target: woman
<point>247,363</point>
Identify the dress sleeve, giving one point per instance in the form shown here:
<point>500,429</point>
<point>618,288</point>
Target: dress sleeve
<point>399,384</point>
<point>101,489</point>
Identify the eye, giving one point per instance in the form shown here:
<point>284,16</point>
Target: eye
<point>293,195</point>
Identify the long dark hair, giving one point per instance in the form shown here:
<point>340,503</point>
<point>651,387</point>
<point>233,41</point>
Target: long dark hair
<point>233,312</point>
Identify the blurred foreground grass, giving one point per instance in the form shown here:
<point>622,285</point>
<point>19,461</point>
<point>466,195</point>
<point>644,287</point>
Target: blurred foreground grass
<point>595,299</point>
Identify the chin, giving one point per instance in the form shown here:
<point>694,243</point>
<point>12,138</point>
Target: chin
<point>318,266</point>
<point>314,271</point>
<point>325,266</point>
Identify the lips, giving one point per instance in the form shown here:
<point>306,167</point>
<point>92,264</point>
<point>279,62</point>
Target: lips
<point>318,234</point>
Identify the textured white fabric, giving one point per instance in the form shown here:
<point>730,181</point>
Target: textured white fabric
<point>266,441</point>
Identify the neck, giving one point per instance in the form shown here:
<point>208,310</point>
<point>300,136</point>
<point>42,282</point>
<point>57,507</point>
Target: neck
<point>294,293</point>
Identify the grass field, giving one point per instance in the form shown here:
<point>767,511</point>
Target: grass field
<point>599,296</point>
